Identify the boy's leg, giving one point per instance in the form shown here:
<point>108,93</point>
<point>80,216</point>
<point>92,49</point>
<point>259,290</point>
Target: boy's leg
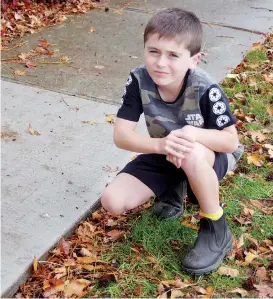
<point>120,195</point>
<point>214,239</point>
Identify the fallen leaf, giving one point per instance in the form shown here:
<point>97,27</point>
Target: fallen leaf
<point>242,292</point>
<point>233,76</point>
<point>268,78</point>
<point>249,258</point>
<point>64,246</point>
<point>89,260</point>
<point>60,272</point>
<point>93,268</point>
<point>257,136</point>
<point>256,46</point>
<point>269,110</point>
<point>86,252</point>
<point>99,67</point>
<point>92,29</point>
<point>262,273</point>
<point>189,224</point>
<point>228,271</point>
<point>110,119</point>
<point>118,11</point>
<point>176,294</point>
<point>115,234</point>
<point>32,131</point>
<point>264,290</point>
<point>86,229</point>
<point>91,122</point>
<point>19,73</point>
<point>200,290</point>
<point>76,287</point>
<point>210,291</point>
<point>57,287</point>
<point>35,264</point>
<point>75,108</point>
<point>106,279</point>
<point>138,290</point>
<point>255,159</point>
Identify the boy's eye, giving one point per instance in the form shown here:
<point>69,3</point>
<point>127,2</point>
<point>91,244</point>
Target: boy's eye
<point>153,51</point>
<point>174,55</point>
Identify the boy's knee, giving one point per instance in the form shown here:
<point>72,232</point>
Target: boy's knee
<point>195,159</point>
<point>112,203</point>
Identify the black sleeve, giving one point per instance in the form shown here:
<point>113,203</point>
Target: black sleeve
<point>131,107</point>
<point>215,109</point>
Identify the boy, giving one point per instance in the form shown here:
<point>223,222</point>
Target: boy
<point>192,136</point>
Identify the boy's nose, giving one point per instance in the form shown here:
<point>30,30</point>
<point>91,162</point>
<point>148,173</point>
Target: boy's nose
<point>161,62</point>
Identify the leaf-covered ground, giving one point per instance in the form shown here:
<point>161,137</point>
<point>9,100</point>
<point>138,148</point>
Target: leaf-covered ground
<point>137,255</point>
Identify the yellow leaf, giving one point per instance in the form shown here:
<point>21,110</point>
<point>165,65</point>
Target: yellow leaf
<point>255,159</point>
<point>190,225</point>
<point>92,268</point>
<point>57,287</point>
<point>228,271</point>
<point>256,46</point>
<point>32,131</point>
<point>269,110</point>
<point>110,119</point>
<point>76,287</point>
<point>200,290</point>
<point>268,78</point>
<point>35,264</point>
<point>250,257</point>
<point>92,29</point>
<point>19,73</point>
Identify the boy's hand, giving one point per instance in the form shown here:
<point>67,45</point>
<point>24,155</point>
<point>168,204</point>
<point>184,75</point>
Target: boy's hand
<point>177,143</point>
<point>176,161</point>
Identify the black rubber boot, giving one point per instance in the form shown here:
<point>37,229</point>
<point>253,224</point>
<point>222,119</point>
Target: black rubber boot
<point>170,204</point>
<point>213,243</point>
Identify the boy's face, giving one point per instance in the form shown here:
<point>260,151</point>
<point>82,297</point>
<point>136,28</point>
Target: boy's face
<point>167,61</point>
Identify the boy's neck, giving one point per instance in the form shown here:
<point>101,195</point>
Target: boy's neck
<point>169,93</point>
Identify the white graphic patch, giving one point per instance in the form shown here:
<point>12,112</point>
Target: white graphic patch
<point>129,80</point>
<point>215,94</point>
<point>124,91</point>
<point>222,120</point>
<point>219,108</point>
<point>195,120</point>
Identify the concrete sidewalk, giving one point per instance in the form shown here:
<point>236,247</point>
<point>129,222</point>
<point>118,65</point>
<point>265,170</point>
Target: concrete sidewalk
<point>51,181</point>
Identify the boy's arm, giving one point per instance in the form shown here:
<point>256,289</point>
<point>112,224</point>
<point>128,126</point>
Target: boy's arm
<point>224,141</point>
<point>126,138</point>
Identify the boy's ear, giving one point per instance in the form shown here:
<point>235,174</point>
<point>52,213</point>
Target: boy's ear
<point>195,59</point>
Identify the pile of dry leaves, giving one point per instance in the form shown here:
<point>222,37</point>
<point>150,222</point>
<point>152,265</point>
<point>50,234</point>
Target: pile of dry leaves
<point>23,17</point>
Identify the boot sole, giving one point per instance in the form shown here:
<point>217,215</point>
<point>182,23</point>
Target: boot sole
<point>213,267</point>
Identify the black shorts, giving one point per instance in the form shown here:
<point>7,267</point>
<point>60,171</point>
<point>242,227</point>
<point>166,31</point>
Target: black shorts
<point>161,175</point>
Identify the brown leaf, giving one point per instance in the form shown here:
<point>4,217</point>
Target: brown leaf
<point>35,264</point>
<point>86,252</point>
<point>32,131</point>
<point>60,272</point>
<point>64,246</point>
<point>93,268</point>
<point>268,78</point>
<point>89,260</point>
<point>189,224</point>
<point>262,273</point>
<point>19,73</point>
<point>86,229</point>
<point>57,287</point>
<point>228,271</point>
<point>115,234</point>
<point>242,292</point>
<point>256,46</point>
<point>138,290</point>
<point>257,136</point>
<point>106,279</point>
<point>264,205</point>
<point>255,159</point>
<point>76,287</point>
<point>264,290</point>
<point>200,290</point>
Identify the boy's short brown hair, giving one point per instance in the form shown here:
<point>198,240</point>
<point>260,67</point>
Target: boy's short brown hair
<point>176,22</point>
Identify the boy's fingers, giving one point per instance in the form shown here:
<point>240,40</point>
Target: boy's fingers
<point>182,141</point>
<point>170,150</point>
<point>178,147</point>
<point>180,134</point>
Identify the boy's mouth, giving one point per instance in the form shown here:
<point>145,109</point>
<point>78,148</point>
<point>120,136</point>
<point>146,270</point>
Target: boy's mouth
<point>158,73</point>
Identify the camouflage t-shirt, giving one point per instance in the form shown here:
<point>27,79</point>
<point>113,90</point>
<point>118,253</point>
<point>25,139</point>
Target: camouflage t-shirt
<point>200,103</point>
